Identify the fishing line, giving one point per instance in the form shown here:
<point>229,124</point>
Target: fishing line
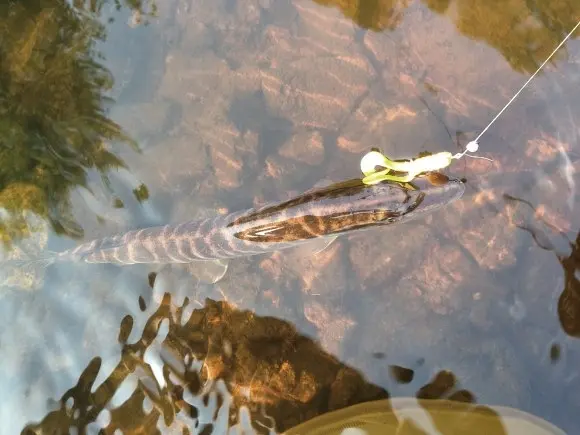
<point>473,146</point>
<point>434,162</point>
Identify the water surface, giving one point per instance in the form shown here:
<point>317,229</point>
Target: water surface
<point>122,115</point>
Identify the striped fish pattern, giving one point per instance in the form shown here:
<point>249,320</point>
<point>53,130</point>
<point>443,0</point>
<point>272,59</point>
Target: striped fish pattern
<point>327,212</point>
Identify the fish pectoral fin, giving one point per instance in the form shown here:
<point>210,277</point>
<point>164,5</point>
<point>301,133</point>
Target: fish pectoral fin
<point>26,274</point>
<point>324,182</point>
<point>316,246</point>
<point>323,244</point>
<point>208,272</point>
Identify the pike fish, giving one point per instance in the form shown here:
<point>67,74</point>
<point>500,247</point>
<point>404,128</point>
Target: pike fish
<point>322,213</point>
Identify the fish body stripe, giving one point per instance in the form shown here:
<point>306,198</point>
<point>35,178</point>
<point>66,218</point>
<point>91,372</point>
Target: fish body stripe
<point>323,213</point>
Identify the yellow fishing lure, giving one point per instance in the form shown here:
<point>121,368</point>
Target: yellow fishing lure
<point>409,168</point>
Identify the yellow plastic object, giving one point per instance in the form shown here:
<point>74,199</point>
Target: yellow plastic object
<point>409,416</point>
<point>412,168</point>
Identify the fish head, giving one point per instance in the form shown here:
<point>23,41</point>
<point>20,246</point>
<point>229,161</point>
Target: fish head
<point>438,191</point>
<point>344,207</point>
<point>391,202</point>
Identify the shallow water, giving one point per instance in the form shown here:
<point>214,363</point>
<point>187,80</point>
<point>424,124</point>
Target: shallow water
<point>222,105</point>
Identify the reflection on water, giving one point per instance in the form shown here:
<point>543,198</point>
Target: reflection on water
<point>525,33</point>
<point>217,367</point>
<point>375,15</point>
<point>567,252</point>
<point>54,125</point>
<point>236,104</point>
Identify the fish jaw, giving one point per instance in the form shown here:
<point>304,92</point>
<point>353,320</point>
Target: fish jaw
<point>436,197</point>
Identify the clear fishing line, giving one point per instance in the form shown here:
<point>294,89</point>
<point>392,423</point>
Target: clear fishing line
<point>473,146</point>
<point>440,160</point>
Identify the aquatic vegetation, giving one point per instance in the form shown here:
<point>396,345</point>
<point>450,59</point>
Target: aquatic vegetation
<point>146,7</point>
<point>53,104</point>
<point>142,9</point>
<point>24,206</point>
<point>18,200</point>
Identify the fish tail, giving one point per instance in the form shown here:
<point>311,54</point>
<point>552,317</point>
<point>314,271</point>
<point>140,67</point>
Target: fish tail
<point>25,273</point>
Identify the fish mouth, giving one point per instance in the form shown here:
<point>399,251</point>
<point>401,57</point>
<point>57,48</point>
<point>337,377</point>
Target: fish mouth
<point>435,197</point>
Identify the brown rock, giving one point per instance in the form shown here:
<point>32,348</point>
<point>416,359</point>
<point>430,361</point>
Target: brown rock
<point>232,153</point>
<point>279,168</point>
<point>279,177</point>
<point>325,28</point>
<point>558,220</point>
<point>305,147</point>
<point>545,148</point>
<point>183,154</point>
<point>273,297</point>
<point>271,267</point>
<point>384,48</point>
<point>332,324</point>
<point>232,30</point>
<point>316,74</point>
<point>482,228</point>
<point>381,257</point>
<point>319,267</point>
<point>353,146</point>
<point>227,164</point>
<point>388,123</point>
<point>438,279</point>
<point>243,284</point>
<point>432,51</point>
<point>203,81</point>
<point>322,279</point>
<point>491,245</point>
<point>318,95</point>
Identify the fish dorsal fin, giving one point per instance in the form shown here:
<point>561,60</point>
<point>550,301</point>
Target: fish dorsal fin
<point>316,246</point>
<point>266,211</point>
<point>325,182</point>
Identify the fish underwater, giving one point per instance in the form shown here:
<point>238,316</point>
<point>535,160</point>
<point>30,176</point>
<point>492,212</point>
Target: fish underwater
<point>321,213</point>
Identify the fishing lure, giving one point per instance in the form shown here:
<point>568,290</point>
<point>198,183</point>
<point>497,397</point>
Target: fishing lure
<point>434,162</point>
<point>412,168</point>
